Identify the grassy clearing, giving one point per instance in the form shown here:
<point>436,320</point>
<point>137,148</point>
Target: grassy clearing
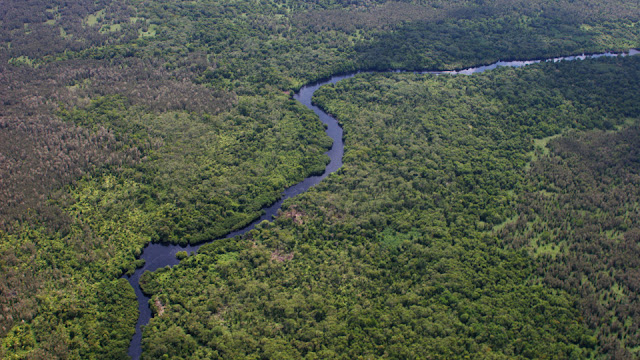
<point>151,32</point>
<point>95,18</point>
<point>508,221</point>
<point>539,148</point>
<point>21,60</point>
<point>110,28</point>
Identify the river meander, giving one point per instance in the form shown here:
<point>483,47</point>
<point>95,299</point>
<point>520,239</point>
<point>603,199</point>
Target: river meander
<point>161,255</point>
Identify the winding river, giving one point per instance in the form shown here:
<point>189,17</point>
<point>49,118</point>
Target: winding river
<point>159,255</point>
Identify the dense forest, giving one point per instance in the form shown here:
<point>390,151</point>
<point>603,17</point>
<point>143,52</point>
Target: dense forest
<point>578,216</point>
<point>127,122</point>
<point>405,253</point>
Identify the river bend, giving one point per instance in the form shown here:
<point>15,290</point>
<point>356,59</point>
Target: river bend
<point>160,255</point>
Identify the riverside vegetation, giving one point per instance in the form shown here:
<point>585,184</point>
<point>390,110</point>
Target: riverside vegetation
<point>136,121</point>
<point>408,251</point>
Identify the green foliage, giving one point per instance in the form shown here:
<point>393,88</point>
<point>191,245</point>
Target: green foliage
<point>175,124</point>
<point>357,298</point>
<point>20,341</point>
<point>209,175</point>
<point>578,216</point>
<point>395,255</point>
<point>487,38</point>
<point>78,319</point>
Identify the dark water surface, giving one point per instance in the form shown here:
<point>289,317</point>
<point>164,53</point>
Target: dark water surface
<point>159,255</point>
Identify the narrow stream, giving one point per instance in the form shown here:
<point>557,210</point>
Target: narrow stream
<point>159,255</point>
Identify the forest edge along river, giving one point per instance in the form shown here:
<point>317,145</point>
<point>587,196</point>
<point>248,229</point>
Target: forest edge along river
<point>158,255</point>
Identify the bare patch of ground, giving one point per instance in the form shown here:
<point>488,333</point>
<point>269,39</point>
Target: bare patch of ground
<point>295,214</point>
<point>159,306</point>
<point>280,257</point>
